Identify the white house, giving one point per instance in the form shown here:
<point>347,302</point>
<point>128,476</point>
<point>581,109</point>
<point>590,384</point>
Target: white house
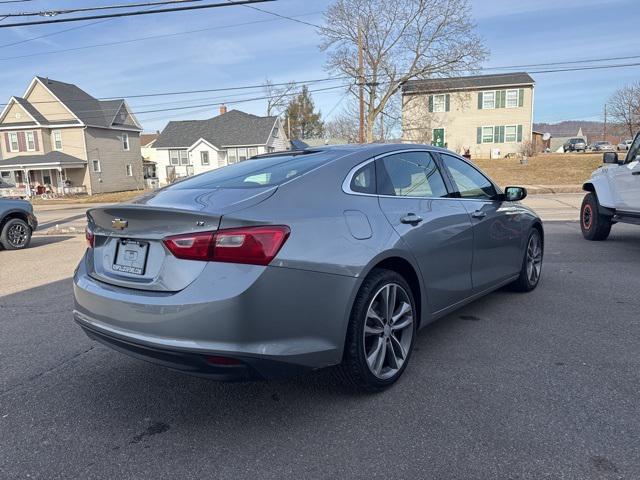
<point>190,147</point>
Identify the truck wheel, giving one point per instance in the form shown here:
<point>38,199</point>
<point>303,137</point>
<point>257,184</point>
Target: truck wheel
<point>594,225</point>
<point>16,234</point>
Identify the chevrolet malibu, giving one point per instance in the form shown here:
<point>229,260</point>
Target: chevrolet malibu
<point>301,260</point>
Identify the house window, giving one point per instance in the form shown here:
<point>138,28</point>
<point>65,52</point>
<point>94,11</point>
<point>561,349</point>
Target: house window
<point>14,146</point>
<point>512,98</point>
<point>178,157</point>
<point>31,142</point>
<point>204,158</point>
<point>242,154</point>
<point>489,100</point>
<point>439,103</point>
<point>275,132</point>
<point>232,156</point>
<point>487,134</point>
<point>95,164</point>
<point>253,152</point>
<point>510,133</point>
<point>125,142</point>
<point>129,170</point>
<point>57,140</point>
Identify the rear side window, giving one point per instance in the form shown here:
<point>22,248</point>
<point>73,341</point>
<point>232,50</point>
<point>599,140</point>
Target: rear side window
<point>259,172</point>
<point>364,180</point>
<point>409,174</point>
<point>469,181</point>
<point>634,150</point>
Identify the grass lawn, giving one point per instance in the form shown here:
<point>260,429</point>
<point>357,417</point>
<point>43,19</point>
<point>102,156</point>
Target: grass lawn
<point>553,169</point>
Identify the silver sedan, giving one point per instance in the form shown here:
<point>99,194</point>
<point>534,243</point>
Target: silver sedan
<point>303,260</point>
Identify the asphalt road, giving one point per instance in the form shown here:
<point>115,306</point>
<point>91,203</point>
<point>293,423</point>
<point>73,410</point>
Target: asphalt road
<point>526,386</point>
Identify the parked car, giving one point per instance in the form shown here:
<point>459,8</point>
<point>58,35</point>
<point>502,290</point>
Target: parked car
<point>602,147</point>
<point>574,145</point>
<point>613,194</point>
<point>17,223</point>
<point>624,145</point>
<point>9,190</point>
<point>302,260</point>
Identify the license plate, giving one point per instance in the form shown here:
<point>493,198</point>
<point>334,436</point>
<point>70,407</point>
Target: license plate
<point>131,257</point>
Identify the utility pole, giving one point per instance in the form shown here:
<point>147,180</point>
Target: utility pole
<point>360,84</point>
<point>382,126</point>
<point>604,126</point>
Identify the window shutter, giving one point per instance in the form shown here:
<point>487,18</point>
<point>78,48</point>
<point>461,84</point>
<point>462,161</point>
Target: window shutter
<point>503,99</point>
<point>519,133</point>
<point>479,102</point>
<point>501,138</point>
<point>7,142</point>
<point>35,140</point>
<point>521,97</point>
<point>496,134</point>
<point>22,142</point>
<point>447,102</point>
<point>479,135</point>
<point>430,103</point>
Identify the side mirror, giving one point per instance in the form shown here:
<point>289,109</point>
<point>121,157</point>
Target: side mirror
<point>515,194</point>
<point>610,157</point>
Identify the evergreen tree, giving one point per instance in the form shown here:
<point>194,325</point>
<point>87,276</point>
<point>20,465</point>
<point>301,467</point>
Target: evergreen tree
<point>304,121</point>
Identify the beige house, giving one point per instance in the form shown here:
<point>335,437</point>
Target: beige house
<point>58,138</point>
<point>491,116</point>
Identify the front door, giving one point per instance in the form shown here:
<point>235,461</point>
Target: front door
<point>497,236</point>
<point>438,137</point>
<point>436,228</point>
<point>626,180</point>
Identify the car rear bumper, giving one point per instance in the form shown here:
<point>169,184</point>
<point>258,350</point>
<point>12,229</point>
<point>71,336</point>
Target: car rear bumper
<point>274,320</point>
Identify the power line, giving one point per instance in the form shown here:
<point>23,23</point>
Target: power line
<point>51,13</point>
<point>141,39</point>
<point>134,13</point>
<point>15,1</point>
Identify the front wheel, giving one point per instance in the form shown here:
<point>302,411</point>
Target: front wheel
<point>531,268</point>
<point>15,235</point>
<point>594,225</point>
<point>381,332</point>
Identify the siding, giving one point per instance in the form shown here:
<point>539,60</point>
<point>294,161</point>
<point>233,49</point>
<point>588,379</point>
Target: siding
<point>23,116</point>
<point>106,146</point>
<point>47,105</point>
<point>462,121</point>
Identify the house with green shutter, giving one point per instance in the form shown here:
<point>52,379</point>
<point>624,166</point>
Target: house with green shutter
<point>491,116</point>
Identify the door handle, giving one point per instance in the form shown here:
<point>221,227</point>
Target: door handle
<point>478,214</point>
<point>635,173</point>
<point>411,219</point>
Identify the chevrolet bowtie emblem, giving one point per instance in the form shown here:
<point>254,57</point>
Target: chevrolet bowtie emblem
<point>119,224</point>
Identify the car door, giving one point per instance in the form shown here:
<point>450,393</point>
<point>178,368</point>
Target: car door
<point>497,232</point>
<point>626,180</point>
<point>436,228</point>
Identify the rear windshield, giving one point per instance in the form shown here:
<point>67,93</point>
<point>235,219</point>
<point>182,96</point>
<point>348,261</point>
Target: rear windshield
<point>259,172</point>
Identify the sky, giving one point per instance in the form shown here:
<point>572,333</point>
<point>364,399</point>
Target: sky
<point>233,46</point>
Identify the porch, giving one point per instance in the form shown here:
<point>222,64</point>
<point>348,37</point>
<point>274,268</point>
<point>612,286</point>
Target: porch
<point>54,172</point>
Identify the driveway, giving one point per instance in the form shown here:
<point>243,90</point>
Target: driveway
<point>541,385</point>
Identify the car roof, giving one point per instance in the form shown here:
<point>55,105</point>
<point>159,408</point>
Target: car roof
<point>374,149</point>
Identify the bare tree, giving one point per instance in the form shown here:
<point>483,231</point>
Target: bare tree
<point>278,97</point>
<point>344,125</point>
<point>402,40</point>
<point>624,107</point>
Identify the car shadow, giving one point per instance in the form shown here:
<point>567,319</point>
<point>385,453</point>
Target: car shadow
<point>42,240</point>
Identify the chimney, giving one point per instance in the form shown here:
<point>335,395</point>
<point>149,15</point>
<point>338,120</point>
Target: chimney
<point>223,109</point>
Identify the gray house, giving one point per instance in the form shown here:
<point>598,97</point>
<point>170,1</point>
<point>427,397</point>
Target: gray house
<point>190,147</point>
<point>57,137</point>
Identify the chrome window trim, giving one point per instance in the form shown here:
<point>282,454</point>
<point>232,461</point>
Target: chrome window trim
<point>346,184</point>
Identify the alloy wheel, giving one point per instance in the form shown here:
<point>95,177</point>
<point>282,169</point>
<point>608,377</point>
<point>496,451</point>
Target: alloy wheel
<point>388,330</point>
<point>534,258</point>
<point>17,235</point>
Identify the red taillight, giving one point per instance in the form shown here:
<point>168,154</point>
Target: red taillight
<point>251,245</point>
<point>89,235</point>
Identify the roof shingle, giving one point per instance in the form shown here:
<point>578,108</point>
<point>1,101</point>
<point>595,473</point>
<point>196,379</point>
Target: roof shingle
<point>476,82</point>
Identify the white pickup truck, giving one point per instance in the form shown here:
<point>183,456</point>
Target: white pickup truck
<point>8,190</point>
<point>613,194</point>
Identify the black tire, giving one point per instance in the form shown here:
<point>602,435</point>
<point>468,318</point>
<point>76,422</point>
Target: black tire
<point>355,370</point>
<point>16,234</point>
<point>594,225</point>
<point>526,282</point>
